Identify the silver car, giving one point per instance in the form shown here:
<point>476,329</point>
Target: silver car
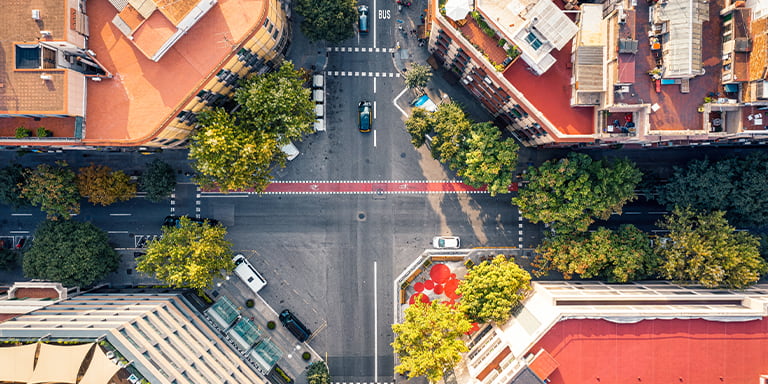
<point>446,242</point>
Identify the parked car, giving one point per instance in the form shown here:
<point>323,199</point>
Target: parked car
<point>363,10</point>
<point>296,327</point>
<point>364,122</point>
<point>248,273</point>
<point>446,242</point>
<point>290,151</point>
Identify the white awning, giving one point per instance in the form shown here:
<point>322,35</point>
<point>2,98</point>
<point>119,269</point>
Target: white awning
<point>16,363</point>
<point>59,363</point>
<point>100,370</point>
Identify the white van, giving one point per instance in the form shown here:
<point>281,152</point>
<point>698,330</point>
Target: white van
<point>290,150</point>
<point>248,273</point>
<point>319,125</point>
<point>317,81</point>
<point>317,96</point>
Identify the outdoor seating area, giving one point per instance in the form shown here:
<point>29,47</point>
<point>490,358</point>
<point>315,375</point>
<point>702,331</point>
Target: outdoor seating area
<point>620,124</point>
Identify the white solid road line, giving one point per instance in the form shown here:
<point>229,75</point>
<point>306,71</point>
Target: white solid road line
<point>374,22</point>
<point>18,232</point>
<point>374,110</point>
<point>21,214</point>
<point>374,138</point>
<point>394,101</point>
<point>374,84</point>
<point>632,213</point>
<point>375,326</point>
<point>120,214</point>
<point>117,231</point>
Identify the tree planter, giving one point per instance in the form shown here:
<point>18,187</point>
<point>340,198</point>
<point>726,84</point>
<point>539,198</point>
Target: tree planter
<point>271,324</point>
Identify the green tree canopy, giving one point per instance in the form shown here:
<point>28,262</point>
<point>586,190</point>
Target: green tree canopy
<point>418,76</point>
<point>737,186</point>
<point>704,248</point>
<point>418,125</point>
<point>429,340</point>
<point>317,373</point>
<point>475,151</point>
<point>188,256</point>
<point>103,186</point>
<point>70,252</point>
<point>158,180</point>
<point>229,156</point>
<point>449,123</point>
<point>53,189</point>
<point>619,256</point>
<point>490,290</point>
<point>276,103</point>
<point>11,180</point>
<point>486,159</point>
<point>329,20</point>
<point>571,192</point>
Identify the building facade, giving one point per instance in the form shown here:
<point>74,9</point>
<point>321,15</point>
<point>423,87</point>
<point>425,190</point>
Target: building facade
<point>160,338</point>
<point>129,73</point>
<point>579,332</point>
<point>658,73</point>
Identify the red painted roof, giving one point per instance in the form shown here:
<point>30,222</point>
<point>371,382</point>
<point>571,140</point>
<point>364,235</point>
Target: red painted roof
<point>130,108</point>
<point>543,364</point>
<point>657,351</point>
<point>550,93</point>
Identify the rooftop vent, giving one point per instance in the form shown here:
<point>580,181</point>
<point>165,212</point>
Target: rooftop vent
<point>36,14</point>
<point>46,33</point>
<point>46,77</point>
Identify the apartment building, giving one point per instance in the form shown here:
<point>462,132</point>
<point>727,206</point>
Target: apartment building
<point>128,337</point>
<point>621,72</point>
<point>590,332</point>
<point>129,73</point>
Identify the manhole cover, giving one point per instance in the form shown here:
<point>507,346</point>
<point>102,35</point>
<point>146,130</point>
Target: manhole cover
<point>361,216</point>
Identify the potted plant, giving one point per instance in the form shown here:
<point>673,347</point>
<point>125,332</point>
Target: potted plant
<point>270,324</point>
<point>249,303</point>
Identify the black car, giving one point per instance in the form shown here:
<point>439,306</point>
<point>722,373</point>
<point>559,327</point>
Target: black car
<point>296,327</point>
<point>173,221</point>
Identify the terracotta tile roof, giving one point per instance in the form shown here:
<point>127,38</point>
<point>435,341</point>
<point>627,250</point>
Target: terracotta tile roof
<point>25,91</point>
<point>131,17</point>
<point>144,95</point>
<point>175,10</point>
<point>657,351</point>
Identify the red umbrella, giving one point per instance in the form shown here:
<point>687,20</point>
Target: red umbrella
<point>422,297</point>
<point>418,287</point>
<point>438,289</point>
<point>440,273</point>
<point>450,289</point>
<point>429,284</point>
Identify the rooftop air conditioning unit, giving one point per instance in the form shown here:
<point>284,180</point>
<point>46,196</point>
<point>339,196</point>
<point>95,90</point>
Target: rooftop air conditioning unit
<point>46,33</point>
<point>46,77</point>
<point>36,14</point>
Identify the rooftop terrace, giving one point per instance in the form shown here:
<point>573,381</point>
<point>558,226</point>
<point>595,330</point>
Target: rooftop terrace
<point>677,111</point>
<point>144,95</point>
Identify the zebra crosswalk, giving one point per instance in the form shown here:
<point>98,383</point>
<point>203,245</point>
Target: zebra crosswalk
<point>362,74</point>
<point>360,49</point>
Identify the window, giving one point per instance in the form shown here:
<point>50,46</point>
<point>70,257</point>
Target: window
<point>27,56</point>
<point>533,41</point>
<point>274,35</point>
